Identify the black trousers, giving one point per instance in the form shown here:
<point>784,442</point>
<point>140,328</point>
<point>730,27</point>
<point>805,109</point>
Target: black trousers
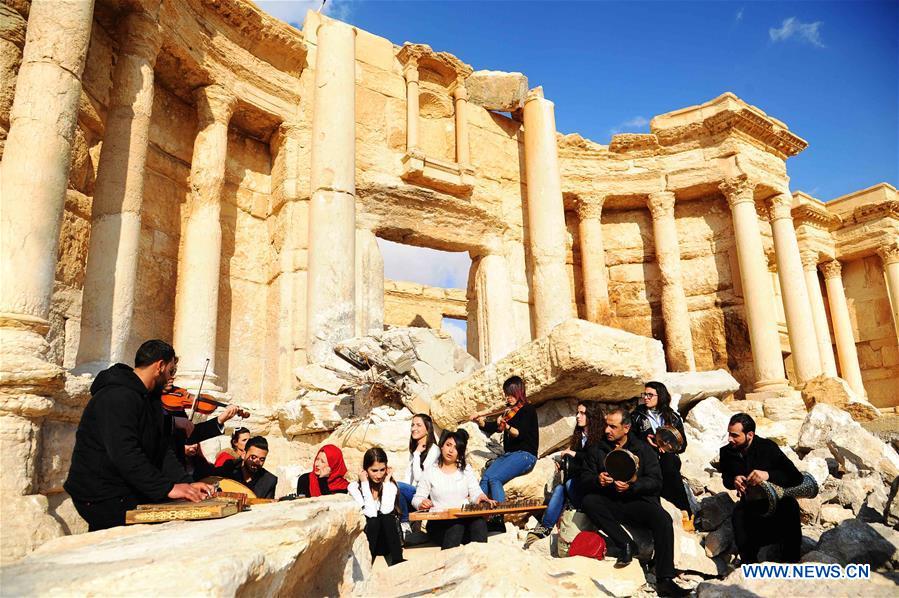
<point>783,527</point>
<point>383,536</point>
<point>104,514</point>
<point>672,484</point>
<point>608,514</point>
<point>450,533</point>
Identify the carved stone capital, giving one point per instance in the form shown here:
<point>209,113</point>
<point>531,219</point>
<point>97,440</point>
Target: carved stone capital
<point>410,71</point>
<point>140,36</point>
<point>809,259</point>
<point>588,208</point>
<point>459,91</point>
<point>889,253</point>
<point>832,269</point>
<point>661,204</point>
<point>214,104</point>
<point>737,190</point>
<point>781,206</point>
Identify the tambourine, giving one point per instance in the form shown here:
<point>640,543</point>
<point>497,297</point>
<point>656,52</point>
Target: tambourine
<point>669,438</point>
<point>766,495</point>
<point>622,465</point>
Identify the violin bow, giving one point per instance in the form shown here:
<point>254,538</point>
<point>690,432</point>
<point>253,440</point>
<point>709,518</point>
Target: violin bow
<point>193,405</point>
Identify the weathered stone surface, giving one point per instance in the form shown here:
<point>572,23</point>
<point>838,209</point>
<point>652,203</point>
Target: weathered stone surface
<point>788,407</point>
<point>785,432</point>
<point>316,377</point>
<point>835,391</point>
<point>854,490</point>
<point>736,586</point>
<point>27,524</point>
<point>854,541</point>
<point>313,412</point>
<point>496,90</point>
<point>816,466</point>
<point>816,556</point>
<point>578,359</point>
<point>706,429</point>
<point>820,423</point>
<point>688,388</point>
<point>856,449</point>
<point>834,514</point>
<point>719,541</point>
<point>689,553</point>
<point>557,421</point>
<point>714,511</point>
<point>307,546</point>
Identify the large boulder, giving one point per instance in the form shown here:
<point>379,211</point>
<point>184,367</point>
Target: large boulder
<point>578,359</point>
<point>714,511</point>
<point>27,524</point>
<point>720,541</point>
<point>857,450</point>
<point>496,90</point>
<point>307,547</point>
<point>831,514</point>
<point>556,419</point>
<point>854,541</point>
<point>689,553</point>
<point>836,392</point>
<point>854,490</point>
<point>820,423</point>
<point>706,430</point>
<point>688,388</point>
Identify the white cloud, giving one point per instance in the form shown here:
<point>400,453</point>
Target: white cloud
<point>793,27</point>
<point>627,126</point>
<point>425,266</point>
<point>739,16</point>
<point>294,11</point>
<point>458,329</point>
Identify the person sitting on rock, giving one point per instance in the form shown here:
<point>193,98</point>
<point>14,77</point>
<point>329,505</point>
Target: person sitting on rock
<point>378,495</point>
<point>249,471</point>
<point>239,439</point>
<point>748,460</point>
<point>609,503</point>
<point>423,453</point>
<point>521,439</point>
<point>450,483</point>
<point>328,475</point>
<point>655,411</point>
<point>588,430</point>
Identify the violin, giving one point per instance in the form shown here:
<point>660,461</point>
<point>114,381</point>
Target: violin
<point>178,399</point>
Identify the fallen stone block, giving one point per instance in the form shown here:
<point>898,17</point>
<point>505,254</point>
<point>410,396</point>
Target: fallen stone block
<point>496,90</point>
<point>856,449</point>
<point>557,420</point>
<point>854,541</point>
<point>689,553</point>
<point>714,511</point>
<point>755,409</point>
<point>719,541</point>
<point>306,547</point>
<point>836,392</point>
<point>820,423</point>
<point>578,359</point>
<point>816,466</point>
<point>688,388</point>
<point>854,490</point>
<point>784,408</point>
<point>316,411</point>
<point>834,514</point>
<point>784,433</point>
<point>27,524</point>
<point>317,377</point>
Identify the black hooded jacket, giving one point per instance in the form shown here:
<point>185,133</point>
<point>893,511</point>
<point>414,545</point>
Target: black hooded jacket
<point>649,475</point>
<point>120,448</point>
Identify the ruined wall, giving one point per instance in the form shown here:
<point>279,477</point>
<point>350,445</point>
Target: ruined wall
<point>413,304</point>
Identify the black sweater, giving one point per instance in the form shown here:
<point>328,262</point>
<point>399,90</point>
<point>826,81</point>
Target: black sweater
<point>525,421</point>
<point>120,447</point>
<point>263,483</point>
<point>649,475</point>
<point>303,486</point>
<point>763,454</point>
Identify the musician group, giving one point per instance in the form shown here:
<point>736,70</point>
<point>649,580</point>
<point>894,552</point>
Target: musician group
<point>132,449</point>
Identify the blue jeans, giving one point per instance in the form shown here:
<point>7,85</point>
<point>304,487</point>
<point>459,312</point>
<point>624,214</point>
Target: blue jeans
<point>504,468</point>
<point>407,491</point>
<point>557,502</point>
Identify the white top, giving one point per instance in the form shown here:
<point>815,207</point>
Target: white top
<point>416,469</point>
<point>361,492</point>
<point>447,490</point>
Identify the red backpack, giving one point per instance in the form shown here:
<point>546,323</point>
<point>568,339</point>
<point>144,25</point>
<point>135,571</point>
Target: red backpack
<point>589,544</point>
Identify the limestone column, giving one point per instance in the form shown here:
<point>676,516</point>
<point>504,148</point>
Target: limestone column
<point>111,273</point>
<point>410,72</point>
<point>847,354</point>
<point>546,215</point>
<point>34,174</point>
<point>890,256</point>
<point>819,315</point>
<point>800,325</point>
<point>758,294</point>
<point>675,313</point>
<point>460,97</point>
<point>593,261</point>
<point>332,209</point>
<point>369,284</point>
<point>495,316</point>
<point>199,268</point>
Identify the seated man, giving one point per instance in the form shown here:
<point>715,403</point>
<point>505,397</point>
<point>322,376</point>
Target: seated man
<point>748,460</point>
<point>609,503</point>
<point>249,471</point>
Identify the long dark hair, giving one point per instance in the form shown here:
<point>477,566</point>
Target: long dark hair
<point>664,404</point>
<point>596,422</point>
<point>461,438</point>
<point>514,387</point>
<point>377,455</point>
<point>429,428</point>
<point>235,436</point>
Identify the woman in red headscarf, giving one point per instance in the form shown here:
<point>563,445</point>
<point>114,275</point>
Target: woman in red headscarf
<point>328,475</point>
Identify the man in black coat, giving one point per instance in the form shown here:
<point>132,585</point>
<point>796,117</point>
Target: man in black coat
<point>609,503</point>
<point>249,471</point>
<point>748,460</point>
<point>122,456</point>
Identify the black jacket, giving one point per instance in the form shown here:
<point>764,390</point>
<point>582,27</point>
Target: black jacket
<point>643,427</point>
<point>120,446</point>
<point>525,421</point>
<point>303,486</point>
<point>649,475</point>
<point>263,483</point>
<point>763,454</point>
<point>202,431</point>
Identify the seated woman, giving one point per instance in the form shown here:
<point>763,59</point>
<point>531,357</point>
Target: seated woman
<point>238,441</point>
<point>378,495</point>
<point>521,437</point>
<point>328,475</point>
<point>655,411</point>
<point>588,430</point>
<point>447,484</point>
<point>423,453</point>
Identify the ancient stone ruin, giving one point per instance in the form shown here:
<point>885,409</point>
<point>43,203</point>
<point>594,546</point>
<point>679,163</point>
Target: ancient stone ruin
<point>198,171</point>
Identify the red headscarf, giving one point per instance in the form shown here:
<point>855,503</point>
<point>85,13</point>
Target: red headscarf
<point>336,479</point>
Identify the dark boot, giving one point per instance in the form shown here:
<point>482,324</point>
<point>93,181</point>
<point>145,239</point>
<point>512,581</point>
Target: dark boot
<point>627,554</point>
<point>667,587</point>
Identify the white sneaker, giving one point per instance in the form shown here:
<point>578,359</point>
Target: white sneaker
<point>406,527</point>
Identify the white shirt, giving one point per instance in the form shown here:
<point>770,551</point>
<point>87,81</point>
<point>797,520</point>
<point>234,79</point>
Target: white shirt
<point>416,469</point>
<point>361,492</point>
<point>655,419</point>
<point>447,490</point>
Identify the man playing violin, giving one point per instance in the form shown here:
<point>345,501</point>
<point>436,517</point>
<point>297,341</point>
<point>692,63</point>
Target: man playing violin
<point>121,456</point>
<point>609,502</point>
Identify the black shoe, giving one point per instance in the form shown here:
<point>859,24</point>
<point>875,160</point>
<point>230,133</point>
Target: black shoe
<point>497,523</point>
<point>627,555</point>
<point>667,587</point>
